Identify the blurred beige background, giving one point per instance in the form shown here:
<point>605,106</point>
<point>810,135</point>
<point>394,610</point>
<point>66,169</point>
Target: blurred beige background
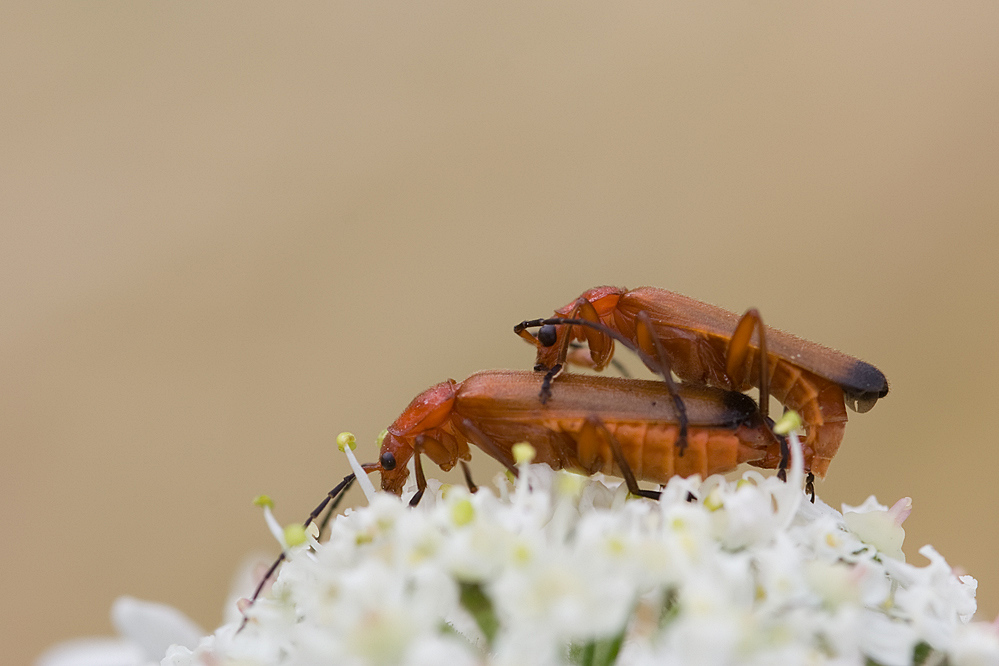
<point>231,232</point>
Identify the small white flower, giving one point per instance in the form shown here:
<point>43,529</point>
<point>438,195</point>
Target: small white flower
<point>94,652</point>
<point>147,631</point>
<point>878,525</point>
<point>975,644</point>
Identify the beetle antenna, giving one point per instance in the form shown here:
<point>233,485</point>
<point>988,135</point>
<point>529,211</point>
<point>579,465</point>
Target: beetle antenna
<point>336,504</point>
<point>336,495</point>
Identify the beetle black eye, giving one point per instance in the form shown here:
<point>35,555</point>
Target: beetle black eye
<point>387,461</point>
<point>547,335</point>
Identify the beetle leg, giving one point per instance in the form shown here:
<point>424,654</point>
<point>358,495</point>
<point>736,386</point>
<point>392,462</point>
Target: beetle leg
<point>782,474</point>
<point>737,351</point>
<point>598,343</point>
<point>488,445</point>
<point>785,451</point>
<point>579,354</point>
<point>619,366</point>
<point>601,345</point>
<point>521,330</point>
<point>546,383</point>
<point>648,339</point>
<point>550,373</point>
<point>421,480</point>
<point>472,488</point>
<point>594,427</point>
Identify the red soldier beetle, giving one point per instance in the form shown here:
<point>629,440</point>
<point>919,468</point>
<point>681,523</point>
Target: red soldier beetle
<point>707,345</point>
<point>624,427</point>
<point>620,426</point>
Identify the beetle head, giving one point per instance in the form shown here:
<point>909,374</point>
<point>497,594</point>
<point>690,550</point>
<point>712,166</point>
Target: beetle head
<point>597,304</point>
<point>393,463</point>
<point>427,411</point>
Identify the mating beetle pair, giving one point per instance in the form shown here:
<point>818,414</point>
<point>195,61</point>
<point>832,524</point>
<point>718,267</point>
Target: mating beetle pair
<point>637,429</point>
<point>640,429</point>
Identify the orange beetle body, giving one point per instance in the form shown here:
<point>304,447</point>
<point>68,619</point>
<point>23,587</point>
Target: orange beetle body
<point>496,409</point>
<point>590,424</point>
<point>816,381</point>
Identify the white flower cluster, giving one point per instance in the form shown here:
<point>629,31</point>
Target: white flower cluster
<point>559,569</point>
<point>562,569</point>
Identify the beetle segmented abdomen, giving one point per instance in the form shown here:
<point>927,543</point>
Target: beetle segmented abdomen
<point>820,404</point>
<point>708,451</point>
<point>652,452</point>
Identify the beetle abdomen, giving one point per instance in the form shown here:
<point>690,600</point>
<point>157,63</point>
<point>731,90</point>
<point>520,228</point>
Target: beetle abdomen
<point>651,449</point>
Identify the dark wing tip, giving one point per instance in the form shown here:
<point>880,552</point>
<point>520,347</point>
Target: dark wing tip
<point>864,385</point>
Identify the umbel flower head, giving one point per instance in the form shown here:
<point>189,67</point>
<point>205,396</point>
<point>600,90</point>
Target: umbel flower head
<point>556,568</point>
